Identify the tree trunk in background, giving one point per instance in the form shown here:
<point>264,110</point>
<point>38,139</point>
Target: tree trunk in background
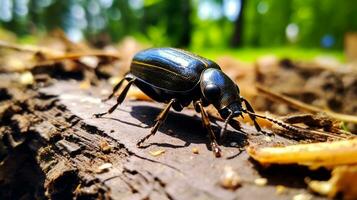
<point>238,27</point>
<point>179,25</point>
<point>185,38</point>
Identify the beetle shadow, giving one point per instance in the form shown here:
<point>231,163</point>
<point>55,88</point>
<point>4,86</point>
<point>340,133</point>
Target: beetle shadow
<point>291,176</point>
<point>125,122</point>
<point>186,128</point>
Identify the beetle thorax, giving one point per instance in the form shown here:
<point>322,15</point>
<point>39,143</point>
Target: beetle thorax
<point>218,89</point>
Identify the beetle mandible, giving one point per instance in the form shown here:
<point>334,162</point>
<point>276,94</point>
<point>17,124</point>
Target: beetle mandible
<point>178,78</point>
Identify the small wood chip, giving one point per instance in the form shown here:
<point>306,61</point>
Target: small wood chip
<point>77,191</point>
<point>26,78</point>
<point>84,85</point>
<point>195,150</point>
<point>302,196</point>
<point>261,181</point>
<point>157,152</point>
<point>267,139</point>
<point>280,189</point>
<point>230,179</point>
<point>104,167</point>
<point>105,146</point>
<point>114,80</point>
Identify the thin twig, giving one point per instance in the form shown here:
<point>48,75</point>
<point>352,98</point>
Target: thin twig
<point>27,48</point>
<point>305,107</point>
<point>78,55</point>
<point>53,55</point>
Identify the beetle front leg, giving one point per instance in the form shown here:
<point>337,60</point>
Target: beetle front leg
<point>205,120</point>
<point>250,109</point>
<point>158,121</point>
<point>120,99</point>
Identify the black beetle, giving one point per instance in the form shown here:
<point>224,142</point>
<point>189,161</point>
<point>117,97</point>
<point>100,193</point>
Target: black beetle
<point>178,77</point>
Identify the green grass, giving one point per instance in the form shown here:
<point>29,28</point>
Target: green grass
<point>251,54</point>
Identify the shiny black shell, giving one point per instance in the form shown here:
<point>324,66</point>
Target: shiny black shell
<point>170,69</point>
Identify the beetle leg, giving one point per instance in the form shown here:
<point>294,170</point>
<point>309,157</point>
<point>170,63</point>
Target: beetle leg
<point>205,120</point>
<point>223,130</point>
<point>250,109</point>
<point>158,121</point>
<point>115,89</point>
<point>120,99</point>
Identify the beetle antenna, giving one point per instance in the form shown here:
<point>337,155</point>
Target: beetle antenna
<point>275,121</point>
<point>294,128</point>
<point>223,130</point>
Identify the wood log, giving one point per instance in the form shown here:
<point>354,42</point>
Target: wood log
<point>52,147</point>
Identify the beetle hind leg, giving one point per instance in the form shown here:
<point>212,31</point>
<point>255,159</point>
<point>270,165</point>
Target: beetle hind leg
<point>158,121</point>
<point>206,122</point>
<point>120,98</point>
<point>115,89</point>
<point>118,86</point>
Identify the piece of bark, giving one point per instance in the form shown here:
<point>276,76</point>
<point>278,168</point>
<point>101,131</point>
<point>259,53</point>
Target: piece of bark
<point>63,152</point>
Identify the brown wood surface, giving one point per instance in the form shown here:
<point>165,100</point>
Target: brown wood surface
<point>65,146</point>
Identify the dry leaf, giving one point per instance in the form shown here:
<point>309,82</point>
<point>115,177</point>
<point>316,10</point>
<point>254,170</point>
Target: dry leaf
<point>343,180</point>
<point>325,154</point>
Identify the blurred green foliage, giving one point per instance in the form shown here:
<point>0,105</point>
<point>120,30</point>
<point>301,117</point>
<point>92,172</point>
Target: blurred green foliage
<point>198,24</point>
<point>251,54</point>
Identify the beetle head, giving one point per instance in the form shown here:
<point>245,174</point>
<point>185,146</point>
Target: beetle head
<point>218,89</point>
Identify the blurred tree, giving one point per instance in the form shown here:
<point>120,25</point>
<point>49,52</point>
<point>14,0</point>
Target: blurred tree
<point>237,36</point>
<point>252,22</point>
<point>212,29</point>
<point>265,22</point>
<point>172,18</point>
